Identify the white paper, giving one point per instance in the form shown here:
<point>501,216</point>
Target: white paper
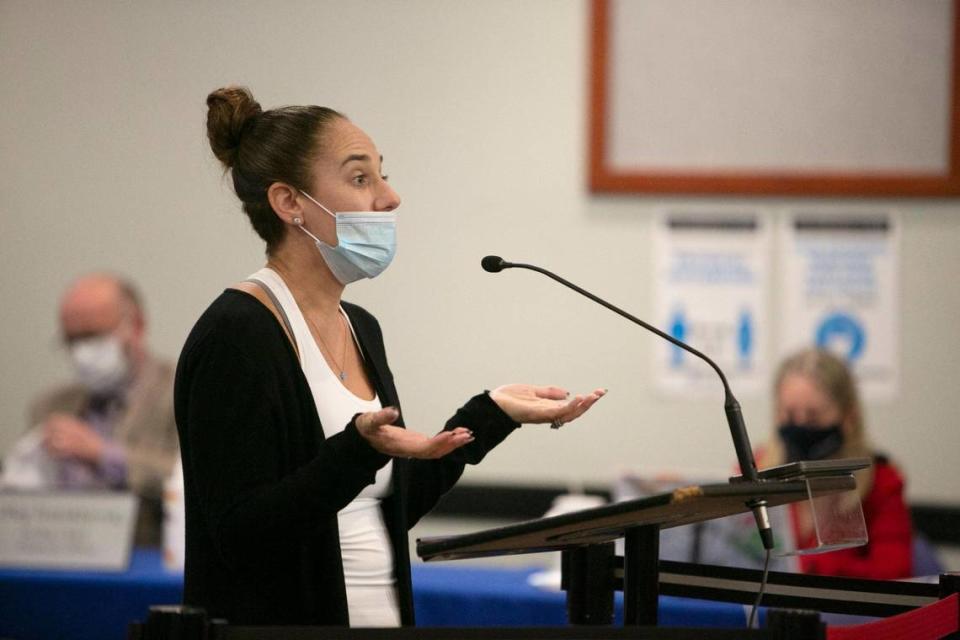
<point>28,465</point>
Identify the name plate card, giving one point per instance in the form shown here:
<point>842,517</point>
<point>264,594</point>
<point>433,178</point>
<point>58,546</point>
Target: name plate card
<point>66,530</point>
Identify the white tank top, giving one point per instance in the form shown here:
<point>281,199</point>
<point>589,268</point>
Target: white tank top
<point>364,543</point>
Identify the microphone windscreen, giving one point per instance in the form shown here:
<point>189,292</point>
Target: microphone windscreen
<point>493,264</point>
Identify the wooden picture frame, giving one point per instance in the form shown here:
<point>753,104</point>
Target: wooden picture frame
<point>606,177</point>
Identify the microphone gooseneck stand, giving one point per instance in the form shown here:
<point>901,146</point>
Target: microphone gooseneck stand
<point>731,407</point>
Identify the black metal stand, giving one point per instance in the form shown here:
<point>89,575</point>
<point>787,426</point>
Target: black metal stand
<point>586,573</point>
<point>641,594</point>
<point>796,624</point>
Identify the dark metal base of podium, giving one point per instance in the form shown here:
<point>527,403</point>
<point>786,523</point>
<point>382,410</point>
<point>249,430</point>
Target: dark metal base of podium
<point>641,575</point>
<point>586,573</point>
<point>589,580</point>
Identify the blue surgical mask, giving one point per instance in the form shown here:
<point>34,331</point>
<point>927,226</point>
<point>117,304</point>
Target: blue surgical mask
<point>366,243</point>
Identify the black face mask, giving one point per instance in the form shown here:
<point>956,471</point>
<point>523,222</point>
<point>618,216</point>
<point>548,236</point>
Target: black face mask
<point>810,443</point>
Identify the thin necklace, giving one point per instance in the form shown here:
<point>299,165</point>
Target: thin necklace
<point>343,354</point>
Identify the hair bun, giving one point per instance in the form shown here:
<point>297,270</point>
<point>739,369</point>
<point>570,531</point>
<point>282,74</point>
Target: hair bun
<point>229,110</point>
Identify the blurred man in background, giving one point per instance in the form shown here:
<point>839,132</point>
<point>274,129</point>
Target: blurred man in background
<point>113,427</point>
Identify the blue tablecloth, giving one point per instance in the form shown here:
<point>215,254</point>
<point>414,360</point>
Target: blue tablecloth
<point>83,604</point>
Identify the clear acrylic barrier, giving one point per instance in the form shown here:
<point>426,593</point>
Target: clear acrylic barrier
<point>835,520</point>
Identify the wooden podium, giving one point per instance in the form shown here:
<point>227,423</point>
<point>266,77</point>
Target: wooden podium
<point>586,537</point>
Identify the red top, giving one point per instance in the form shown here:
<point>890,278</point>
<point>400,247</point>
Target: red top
<point>888,552</point>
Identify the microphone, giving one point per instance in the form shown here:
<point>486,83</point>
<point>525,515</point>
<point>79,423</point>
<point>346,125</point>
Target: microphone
<point>494,264</point>
<point>738,430</point>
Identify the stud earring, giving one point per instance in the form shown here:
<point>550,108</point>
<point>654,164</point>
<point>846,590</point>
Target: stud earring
<point>297,221</point>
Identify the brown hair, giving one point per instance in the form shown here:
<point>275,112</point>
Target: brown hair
<point>262,147</point>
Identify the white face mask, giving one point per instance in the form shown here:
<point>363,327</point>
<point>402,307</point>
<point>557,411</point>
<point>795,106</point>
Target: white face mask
<point>99,363</point>
<point>366,243</point>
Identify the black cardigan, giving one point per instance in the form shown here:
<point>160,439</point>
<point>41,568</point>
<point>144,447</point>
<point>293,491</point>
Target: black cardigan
<point>263,485</point>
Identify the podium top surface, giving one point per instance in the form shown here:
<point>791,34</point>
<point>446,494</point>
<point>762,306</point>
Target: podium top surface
<point>682,506</point>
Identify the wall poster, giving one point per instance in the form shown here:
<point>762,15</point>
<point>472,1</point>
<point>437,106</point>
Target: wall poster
<point>839,289</point>
<point>711,276</point>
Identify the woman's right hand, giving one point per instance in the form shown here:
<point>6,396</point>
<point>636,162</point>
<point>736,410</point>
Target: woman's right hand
<point>378,429</point>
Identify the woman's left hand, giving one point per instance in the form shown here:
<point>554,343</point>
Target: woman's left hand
<point>532,404</point>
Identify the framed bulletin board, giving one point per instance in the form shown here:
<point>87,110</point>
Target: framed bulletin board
<point>801,97</point>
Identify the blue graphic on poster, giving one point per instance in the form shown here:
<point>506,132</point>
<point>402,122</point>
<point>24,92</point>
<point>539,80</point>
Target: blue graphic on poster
<point>678,329</point>
<point>842,334</point>
<point>745,346</point>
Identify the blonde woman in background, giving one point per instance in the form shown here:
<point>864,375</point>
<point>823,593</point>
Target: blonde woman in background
<point>819,416</point>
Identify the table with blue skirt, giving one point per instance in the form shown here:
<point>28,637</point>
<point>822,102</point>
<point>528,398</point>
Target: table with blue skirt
<point>45,605</point>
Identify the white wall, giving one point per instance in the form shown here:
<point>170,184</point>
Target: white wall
<point>480,111</point>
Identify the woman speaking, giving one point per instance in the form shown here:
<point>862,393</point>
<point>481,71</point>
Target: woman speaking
<point>300,479</point>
